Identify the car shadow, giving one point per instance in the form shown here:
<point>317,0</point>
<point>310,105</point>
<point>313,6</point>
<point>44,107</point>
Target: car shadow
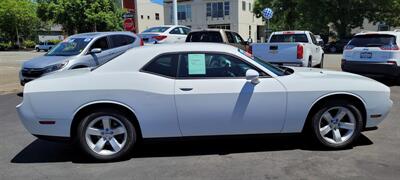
<point>386,81</point>
<point>40,151</point>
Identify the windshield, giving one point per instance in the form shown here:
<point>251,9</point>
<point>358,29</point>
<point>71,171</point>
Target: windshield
<point>156,29</point>
<point>282,38</point>
<point>276,70</point>
<point>69,47</point>
<point>373,40</point>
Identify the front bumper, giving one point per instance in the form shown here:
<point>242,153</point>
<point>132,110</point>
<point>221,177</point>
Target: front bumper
<point>60,129</point>
<point>377,114</point>
<point>371,68</point>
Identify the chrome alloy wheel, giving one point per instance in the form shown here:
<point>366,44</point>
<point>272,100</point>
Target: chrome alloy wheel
<point>106,135</point>
<point>337,124</point>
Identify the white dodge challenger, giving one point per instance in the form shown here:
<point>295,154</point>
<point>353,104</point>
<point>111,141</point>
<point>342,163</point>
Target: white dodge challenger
<point>200,89</point>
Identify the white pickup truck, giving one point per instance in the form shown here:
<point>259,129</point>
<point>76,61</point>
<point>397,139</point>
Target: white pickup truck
<point>292,48</point>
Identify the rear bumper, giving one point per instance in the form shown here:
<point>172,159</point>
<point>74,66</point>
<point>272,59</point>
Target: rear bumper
<point>368,68</point>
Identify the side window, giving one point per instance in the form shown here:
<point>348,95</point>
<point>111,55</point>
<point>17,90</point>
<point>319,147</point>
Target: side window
<point>101,43</point>
<point>176,31</point>
<point>209,65</point>
<point>165,65</point>
<point>238,39</point>
<point>314,41</point>
<point>230,37</point>
<point>186,30</point>
<point>121,40</point>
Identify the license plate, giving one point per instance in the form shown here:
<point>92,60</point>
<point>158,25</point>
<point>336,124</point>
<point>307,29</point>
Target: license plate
<point>366,55</point>
<point>273,51</point>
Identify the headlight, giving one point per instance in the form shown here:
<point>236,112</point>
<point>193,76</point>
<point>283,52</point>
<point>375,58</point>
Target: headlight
<point>55,67</point>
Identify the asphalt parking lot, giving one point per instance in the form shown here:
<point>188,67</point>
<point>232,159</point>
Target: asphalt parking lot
<point>375,156</point>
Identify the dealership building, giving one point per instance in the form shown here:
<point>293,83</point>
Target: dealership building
<point>235,15</point>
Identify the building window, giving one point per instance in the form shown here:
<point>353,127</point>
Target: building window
<point>219,26</point>
<point>148,17</point>
<point>249,6</point>
<point>157,16</point>
<point>217,9</point>
<point>141,16</point>
<point>208,9</point>
<point>226,8</point>
<point>184,12</point>
<point>244,5</point>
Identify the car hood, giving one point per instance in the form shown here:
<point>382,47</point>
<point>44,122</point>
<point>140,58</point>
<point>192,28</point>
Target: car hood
<point>44,61</point>
<point>313,79</point>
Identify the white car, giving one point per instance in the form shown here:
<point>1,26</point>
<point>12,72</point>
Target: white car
<point>373,53</point>
<point>198,89</point>
<point>294,48</point>
<point>165,34</point>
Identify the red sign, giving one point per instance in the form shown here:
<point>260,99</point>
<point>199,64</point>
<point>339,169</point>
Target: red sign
<point>129,24</point>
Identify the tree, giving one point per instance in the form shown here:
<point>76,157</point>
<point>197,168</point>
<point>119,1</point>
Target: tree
<point>315,15</point>
<point>77,16</point>
<point>18,18</point>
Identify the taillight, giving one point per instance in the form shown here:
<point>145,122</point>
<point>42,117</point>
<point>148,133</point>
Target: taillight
<point>349,47</point>
<point>390,47</point>
<point>159,38</point>
<point>141,42</point>
<point>300,51</point>
<point>250,49</point>
<point>392,62</point>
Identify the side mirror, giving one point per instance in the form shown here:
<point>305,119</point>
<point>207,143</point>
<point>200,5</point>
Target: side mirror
<point>253,76</point>
<point>95,50</point>
<point>249,40</point>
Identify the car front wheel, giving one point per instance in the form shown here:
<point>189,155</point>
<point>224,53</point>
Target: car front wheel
<point>337,124</point>
<point>106,135</point>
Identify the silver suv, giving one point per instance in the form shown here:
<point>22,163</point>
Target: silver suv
<point>79,51</point>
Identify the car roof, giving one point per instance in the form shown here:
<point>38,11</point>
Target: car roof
<point>136,58</point>
<point>205,30</point>
<point>98,34</point>
<point>291,32</point>
<point>394,33</point>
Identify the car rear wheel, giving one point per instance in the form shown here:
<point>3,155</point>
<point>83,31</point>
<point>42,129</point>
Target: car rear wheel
<point>37,50</point>
<point>309,62</point>
<point>337,124</point>
<point>321,64</point>
<point>106,135</point>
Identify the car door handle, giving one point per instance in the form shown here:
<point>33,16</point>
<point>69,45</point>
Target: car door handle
<point>186,89</point>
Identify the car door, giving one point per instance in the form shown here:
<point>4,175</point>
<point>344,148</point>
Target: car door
<point>213,97</point>
<point>177,35</point>
<point>106,53</point>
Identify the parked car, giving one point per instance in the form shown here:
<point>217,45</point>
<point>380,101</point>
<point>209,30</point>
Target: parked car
<point>198,89</point>
<point>218,36</point>
<point>45,46</point>
<point>373,53</point>
<point>336,46</point>
<point>294,48</point>
<point>79,51</point>
<point>165,34</point>
<point>319,39</point>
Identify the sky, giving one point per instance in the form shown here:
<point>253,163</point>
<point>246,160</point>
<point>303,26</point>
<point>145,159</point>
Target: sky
<point>158,1</point>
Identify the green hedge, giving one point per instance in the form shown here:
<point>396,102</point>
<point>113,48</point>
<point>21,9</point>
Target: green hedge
<point>29,44</point>
<point>6,45</point>
<point>55,41</point>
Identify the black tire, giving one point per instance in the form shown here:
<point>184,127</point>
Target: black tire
<point>321,65</point>
<point>317,117</point>
<point>131,136</point>
<point>37,50</point>
<point>309,62</point>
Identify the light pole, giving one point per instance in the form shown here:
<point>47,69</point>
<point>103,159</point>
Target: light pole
<point>175,11</point>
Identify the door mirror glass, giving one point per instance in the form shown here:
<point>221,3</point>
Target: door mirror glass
<point>95,50</point>
<point>253,76</point>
